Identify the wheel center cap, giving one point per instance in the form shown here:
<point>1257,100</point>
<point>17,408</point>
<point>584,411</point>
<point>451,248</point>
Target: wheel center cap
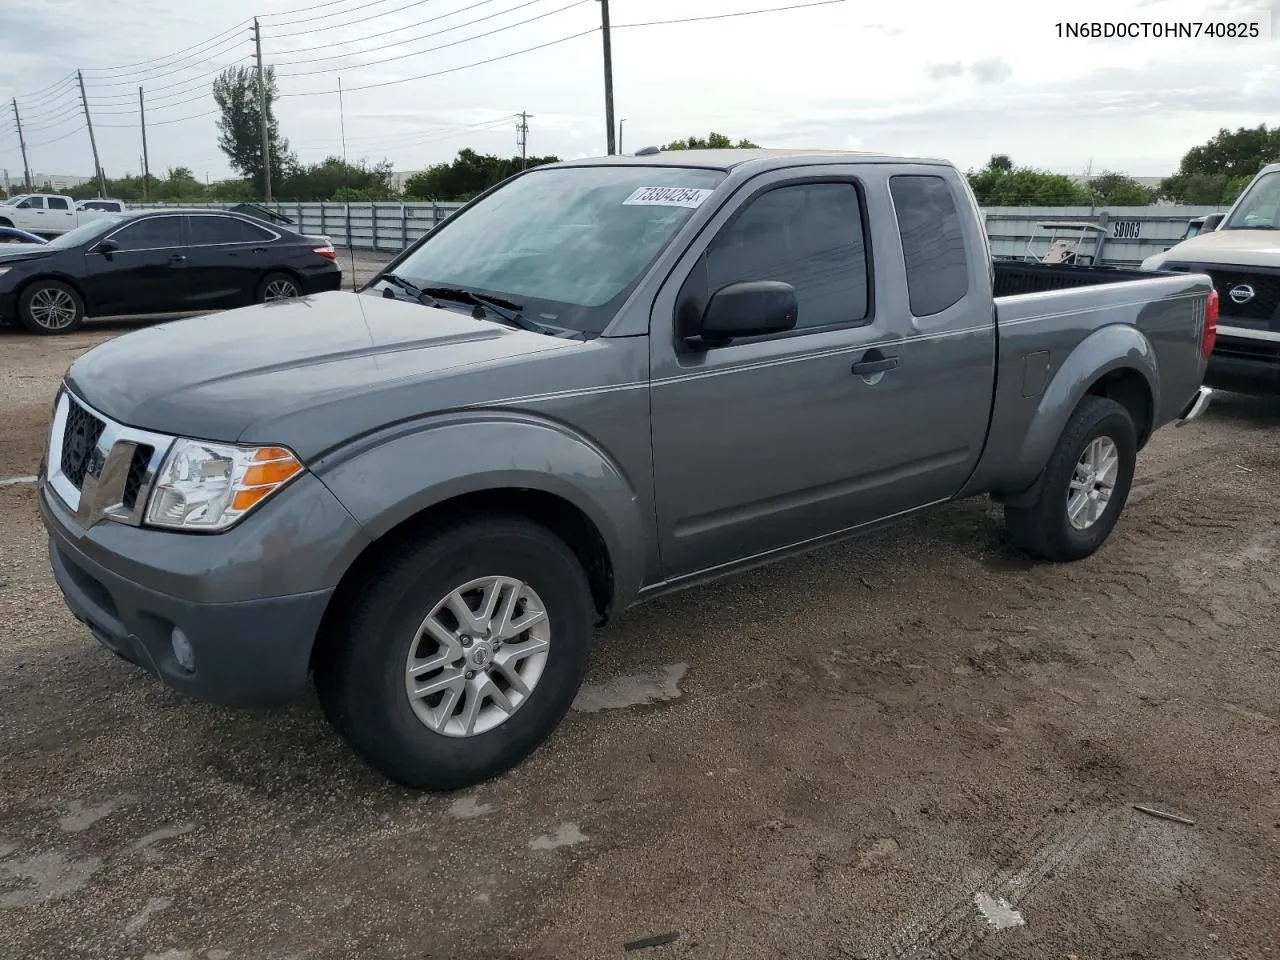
<point>481,655</point>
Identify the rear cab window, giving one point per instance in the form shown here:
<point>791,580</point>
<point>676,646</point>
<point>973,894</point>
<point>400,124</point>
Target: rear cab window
<point>58,203</point>
<point>933,243</point>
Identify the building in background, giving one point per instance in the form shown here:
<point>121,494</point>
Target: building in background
<point>39,181</point>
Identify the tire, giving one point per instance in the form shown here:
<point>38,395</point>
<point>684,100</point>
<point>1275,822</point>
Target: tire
<point>1104,428</point>
<point>50,308</point>
<point>5,223</point>
<point>278,286</point>
<point>362,669</point>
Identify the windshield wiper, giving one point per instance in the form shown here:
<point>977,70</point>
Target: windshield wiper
<point>414,291</point>
<point>504,310</point>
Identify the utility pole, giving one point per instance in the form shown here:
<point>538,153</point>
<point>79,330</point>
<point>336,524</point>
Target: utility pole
<point>608,72</point>
<point>97,166</point>
<point>342,122</point>
<point>146,160</point>
<point>262,107</point>
<point>26,167</point>
<point>522,138</point>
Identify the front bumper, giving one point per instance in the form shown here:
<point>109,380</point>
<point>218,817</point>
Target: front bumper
<point>248,601</point>
<point>1245,364</point>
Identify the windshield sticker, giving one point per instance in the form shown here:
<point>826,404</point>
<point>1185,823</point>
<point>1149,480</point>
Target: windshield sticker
<point>690,197</point>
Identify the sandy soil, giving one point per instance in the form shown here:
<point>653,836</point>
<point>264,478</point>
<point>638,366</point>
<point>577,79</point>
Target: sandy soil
<point>857,754</point>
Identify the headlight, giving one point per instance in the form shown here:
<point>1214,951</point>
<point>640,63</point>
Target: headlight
<point>209,486</point>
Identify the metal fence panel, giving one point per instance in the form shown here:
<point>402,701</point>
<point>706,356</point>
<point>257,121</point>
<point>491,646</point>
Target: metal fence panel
<point>1132,233</point>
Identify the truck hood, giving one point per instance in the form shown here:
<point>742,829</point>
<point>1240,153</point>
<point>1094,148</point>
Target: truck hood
<point>1248,248</point>
<point>239,374</point>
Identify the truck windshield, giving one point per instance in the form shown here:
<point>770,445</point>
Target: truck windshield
<point>567,245</point>
<point>1259,208</point>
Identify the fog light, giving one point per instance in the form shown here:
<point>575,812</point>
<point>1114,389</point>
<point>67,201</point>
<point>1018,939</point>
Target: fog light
<point>183,652</point>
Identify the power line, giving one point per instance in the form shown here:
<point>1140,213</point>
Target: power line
<point>726,16</point>
<point>439,73</point>
<point>400,29</point>
<point>142,63</point>
<point>360,8</point>
<point>443,46</point>
<point>45,143</point>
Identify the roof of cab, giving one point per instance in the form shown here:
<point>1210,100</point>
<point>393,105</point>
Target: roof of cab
<point>730,158</point>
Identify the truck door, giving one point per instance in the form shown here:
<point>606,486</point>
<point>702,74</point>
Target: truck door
<point>856,415</point>
<point>31,215</point>
<point>61,214</point>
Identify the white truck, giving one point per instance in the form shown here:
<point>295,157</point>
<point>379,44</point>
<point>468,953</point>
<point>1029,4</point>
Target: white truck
<point>1242,256</point>
<point>52,214</point>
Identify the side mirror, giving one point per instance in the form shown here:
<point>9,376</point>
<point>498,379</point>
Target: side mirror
<point>751,309</point>
<point>1211,222</point>
<point>107,248</point>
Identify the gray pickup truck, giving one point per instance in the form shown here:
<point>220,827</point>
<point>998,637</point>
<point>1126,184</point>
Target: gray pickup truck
<point>600,381</point>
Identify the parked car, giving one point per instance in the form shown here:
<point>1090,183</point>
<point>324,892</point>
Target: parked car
<point>102,206</point>
<point>1242,256</point>
<point>599,382</point>
<point>12,236</point>
<point>52,214</point>
<point>160,262</point>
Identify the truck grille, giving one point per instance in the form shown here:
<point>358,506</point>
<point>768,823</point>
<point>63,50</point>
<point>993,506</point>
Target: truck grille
<point>1261,306</point>
<point>98,468</point>
<point>80,444</point>
<point>137,474</point>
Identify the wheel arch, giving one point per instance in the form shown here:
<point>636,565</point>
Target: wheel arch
<point>555,513</point>
<point>408,480</point>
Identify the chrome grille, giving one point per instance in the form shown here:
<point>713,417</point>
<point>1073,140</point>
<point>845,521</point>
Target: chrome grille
<point>99,468</point>
<point>80,444</point>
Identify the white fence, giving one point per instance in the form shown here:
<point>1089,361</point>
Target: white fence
<point>1131,234</point>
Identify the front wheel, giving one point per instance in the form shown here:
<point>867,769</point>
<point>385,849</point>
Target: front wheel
<point>1085,485</point>
<point>50,307</point>
<point>460,657</point>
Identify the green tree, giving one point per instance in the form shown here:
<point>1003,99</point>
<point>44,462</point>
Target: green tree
<point>240,126</point>
<point>713,141</point>
<point>1215,172</point>
<point>1001,184</point>
<point>1119,190</point>
<point>466,176</point>
<point>333,175</point>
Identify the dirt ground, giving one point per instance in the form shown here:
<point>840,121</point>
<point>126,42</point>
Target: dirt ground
<point>914,746</point>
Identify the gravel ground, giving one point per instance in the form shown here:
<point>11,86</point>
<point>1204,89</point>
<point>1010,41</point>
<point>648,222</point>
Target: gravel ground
<point>860,753</point>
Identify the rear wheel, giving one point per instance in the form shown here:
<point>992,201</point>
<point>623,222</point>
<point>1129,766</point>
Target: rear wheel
<point>278,286</point>
<point>461,656</point>
<point>50,307</point>
<point>1085,486</point>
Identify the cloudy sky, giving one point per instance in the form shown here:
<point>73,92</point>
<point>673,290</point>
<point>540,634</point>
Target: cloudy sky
<point>960,81</point>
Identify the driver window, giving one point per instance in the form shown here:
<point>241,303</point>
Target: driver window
<point>32,203</point>
<point>808,235</point>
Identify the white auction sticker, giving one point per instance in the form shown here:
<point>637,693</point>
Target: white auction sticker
<point>690,197</point>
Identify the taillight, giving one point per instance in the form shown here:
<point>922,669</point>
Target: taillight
<point>327,252</point>
<point>1210,324</point>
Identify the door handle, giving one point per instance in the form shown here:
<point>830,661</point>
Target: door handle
<point>259,249</point>
<point>873,361</point>
<point>177,258</point>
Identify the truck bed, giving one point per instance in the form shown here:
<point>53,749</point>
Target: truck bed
<point>1015,277</point>
<point>1053,322</point>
